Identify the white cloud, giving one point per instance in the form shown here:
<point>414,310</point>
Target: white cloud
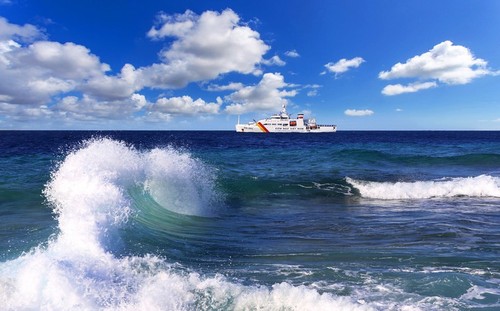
<point>87,108</point>
<point>396,89</point>
<point>50,85</point>
<point>31,75</point>
<point>399,110</point>
<point>23,33</point>
<point>267,95</point>
<point>358,113</point>
<point>344,65</point>
<point>67,61</point>
<point>185,105</point>
<point>156,116</point>
<point>445,62</point>
<point>312,93</point>
<point>21,113</point>
<point>6,47</point>
<point>233,86</point>
<point>275,60</point>
<point>67,81</point>
<point>206,46</point>
<point>176,25</point>
<point>114,87</point>
<point>164,109</point>
<point>312,87</point>
<point>292,53</point>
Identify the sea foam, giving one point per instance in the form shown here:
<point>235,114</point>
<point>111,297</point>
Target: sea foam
<point>479,186</point>
<point>77,269</point>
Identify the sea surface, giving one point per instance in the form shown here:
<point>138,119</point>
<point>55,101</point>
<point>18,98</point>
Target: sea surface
<point>215,220</point>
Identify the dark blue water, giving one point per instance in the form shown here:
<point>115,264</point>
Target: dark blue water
<point>231,221</point>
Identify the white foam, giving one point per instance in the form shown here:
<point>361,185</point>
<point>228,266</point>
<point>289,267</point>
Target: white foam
<point>77,270</point>
<point>479,186</point>
<point>47,280</point>
<point>479,293</point>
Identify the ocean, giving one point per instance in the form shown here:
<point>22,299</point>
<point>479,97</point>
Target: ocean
<point>218,220</point>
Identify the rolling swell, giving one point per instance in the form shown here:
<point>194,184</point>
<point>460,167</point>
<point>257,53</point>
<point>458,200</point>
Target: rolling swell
<point>371,156</point>
<point>248,188</point>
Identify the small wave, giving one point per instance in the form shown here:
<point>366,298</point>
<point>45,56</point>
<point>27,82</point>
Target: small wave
<point>479,186</point>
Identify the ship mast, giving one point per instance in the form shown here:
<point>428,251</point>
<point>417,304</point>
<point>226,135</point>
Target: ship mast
<point>283,112</point>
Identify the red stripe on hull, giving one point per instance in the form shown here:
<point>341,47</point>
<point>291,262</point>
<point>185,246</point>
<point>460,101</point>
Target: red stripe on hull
<point>262,127</point>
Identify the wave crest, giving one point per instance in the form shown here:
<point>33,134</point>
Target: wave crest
<point>90,189</point>
<point>479,186</point>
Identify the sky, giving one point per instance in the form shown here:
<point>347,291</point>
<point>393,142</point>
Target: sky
<point>201,65</point>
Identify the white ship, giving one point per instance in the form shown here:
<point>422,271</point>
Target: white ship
<point>283,123</point>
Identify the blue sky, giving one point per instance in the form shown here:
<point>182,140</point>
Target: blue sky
<point>180,65</point>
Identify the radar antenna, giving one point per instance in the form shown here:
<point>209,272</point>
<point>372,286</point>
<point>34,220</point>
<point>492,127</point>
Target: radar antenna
<point>283,108</point>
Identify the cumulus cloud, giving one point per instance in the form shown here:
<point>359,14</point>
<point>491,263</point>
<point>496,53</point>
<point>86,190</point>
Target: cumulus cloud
<point>175,25</point>
<point>22,33</point>
<point>396,89</point>
<point>41,78</point>
<point>233,86</point>
<point>67,61</point>
<point>21,113</point>
<point>88,108</point>
<point>267,95</point>
<point>185,105</point>
<point>292,53</point>
<point>358,113</point>
<point>31,75</point>
<point>344,65</point>
<point>116,87</point>
<point>205,47</point>
<point>275,60</point>
<point>445,62</point>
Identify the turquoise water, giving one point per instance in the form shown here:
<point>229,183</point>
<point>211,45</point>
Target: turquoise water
<point>229,221</point>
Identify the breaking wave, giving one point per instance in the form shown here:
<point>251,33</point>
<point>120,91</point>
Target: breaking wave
<point>78,270</point>
<point>479,186</point>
